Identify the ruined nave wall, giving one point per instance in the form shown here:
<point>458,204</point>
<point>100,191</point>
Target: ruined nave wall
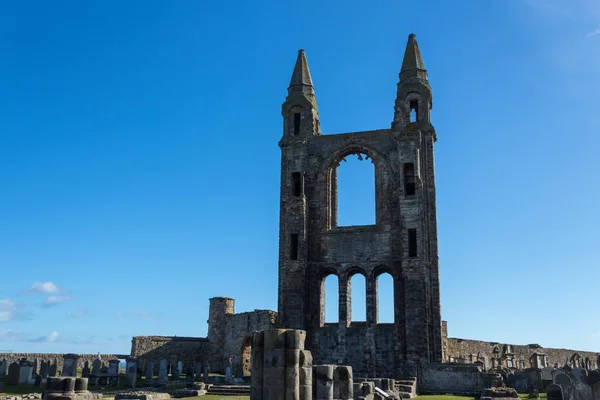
<point>468,351</point>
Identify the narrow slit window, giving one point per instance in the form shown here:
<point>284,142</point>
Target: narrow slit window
<point>296,184</point>
<point>296,124</point>
<point>409,179</point>
<point>412,242</point>
<point>294,246</point>
<point>414,111</point>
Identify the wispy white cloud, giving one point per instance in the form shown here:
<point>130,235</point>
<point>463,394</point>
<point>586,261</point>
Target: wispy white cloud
<point>79,314</point>
<point>8,309</point>
<point>593,33</point>
<point>55,300</point>
<point>52,337</point>
<point>10,335</point>
<point>44,287</point>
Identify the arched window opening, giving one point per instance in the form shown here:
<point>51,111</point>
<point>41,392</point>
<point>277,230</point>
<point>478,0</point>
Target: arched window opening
<point>331,298</point>
<point>355,190</point>
<point>297,123</point>
<point>385,298</point>
<point>414,111</point>
<point>358,287</point>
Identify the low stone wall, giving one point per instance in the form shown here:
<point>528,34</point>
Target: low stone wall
<point>468,351</point>
<point>457,379</point>
<point>10,357</point>
<point>188,350</point>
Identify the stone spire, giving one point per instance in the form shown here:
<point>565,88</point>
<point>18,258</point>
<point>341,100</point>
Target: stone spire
<point>412,65</point>
<point>301,81</point>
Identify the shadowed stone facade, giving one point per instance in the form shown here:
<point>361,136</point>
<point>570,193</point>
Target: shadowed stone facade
<point>229,336</point>
<point>402,242</point>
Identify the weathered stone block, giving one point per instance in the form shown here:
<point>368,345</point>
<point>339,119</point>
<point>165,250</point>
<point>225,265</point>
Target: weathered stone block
<point>295,339</point>
<point>274,339</point>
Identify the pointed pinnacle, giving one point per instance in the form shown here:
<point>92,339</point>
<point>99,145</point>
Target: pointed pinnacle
<point>412,64</point>
<point>301,81</point>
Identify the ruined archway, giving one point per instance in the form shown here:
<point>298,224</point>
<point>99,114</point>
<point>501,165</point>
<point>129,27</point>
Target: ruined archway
<point>246,355</point>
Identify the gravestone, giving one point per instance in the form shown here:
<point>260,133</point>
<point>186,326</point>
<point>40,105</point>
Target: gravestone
<point>96,365</point>
<point>95,372</point>
<point>25,372</point>
<point>584,376</point>
<point>198,369</point>
<point>36,364</point>
<point>113,367</point>
<point>189,373</point>
<point>180,367</point>
<point>162,371</point>
<point>566,383</point>
<point>53,368</point>
<point>149,372</point>
<point>581,391</point>
<point>3,366</point>
<point>131,371</point>
<point>596,391</point>
<point>70,365</point>
<point>206,371</point>
<point>554,392</point>
<point>593,377</point>
<point>44,369</point>
<point>175,373</point>
<point>38,381</point>
<point>12,378</point>
<point>85,372</point>
<point>228,373</point>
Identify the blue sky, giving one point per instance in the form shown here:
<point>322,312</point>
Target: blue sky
<point>140,167</point>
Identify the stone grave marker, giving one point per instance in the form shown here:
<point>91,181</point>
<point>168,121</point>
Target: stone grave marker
<point>189,373</point>
<point>162,371</point>
<point>70,365</point>
<point>581,391</point>
<point>596,391</point>
<point>554,392</point>
<point>3,366</point>
<point>44,369</point>
<point>96,365</point>
<point>85,372</point>
<point>149,372</point>
<point>26,372</point>
<point>113,367</point>
<point>95,372</point>
<point>180,367</point>
<point>198,369</point>
<point>566,383</point>
<point>131,371</point>
<point>206,371</point>
<point>52,369</point>
<point>12,378</point>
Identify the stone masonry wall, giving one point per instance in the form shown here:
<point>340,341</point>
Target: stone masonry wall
<point>239,332</point>
<point>463,350</point>
<point>10,357</point>
<point>172,348</point>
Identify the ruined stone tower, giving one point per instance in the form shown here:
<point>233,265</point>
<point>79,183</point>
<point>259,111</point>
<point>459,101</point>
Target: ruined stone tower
<point>402,242</point>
